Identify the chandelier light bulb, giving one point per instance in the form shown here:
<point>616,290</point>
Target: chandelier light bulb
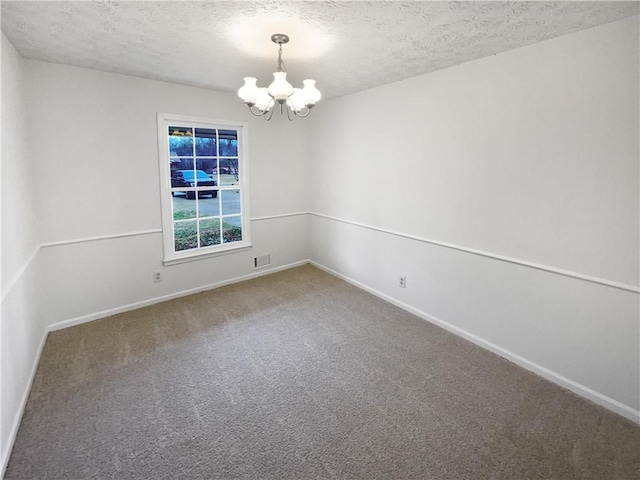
<point>280,89</point>
<point>311,94</point>
<point>297,102</point>
<point>249,91</point>
<point>264,101</point>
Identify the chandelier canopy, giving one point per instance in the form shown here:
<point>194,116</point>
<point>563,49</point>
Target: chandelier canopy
<point>297,102</point>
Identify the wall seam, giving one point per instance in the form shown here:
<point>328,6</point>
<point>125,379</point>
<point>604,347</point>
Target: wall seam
<point>17,420</point>
<point>21,272</point>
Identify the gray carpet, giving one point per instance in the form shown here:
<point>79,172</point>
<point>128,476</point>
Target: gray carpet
<point>299,375</point>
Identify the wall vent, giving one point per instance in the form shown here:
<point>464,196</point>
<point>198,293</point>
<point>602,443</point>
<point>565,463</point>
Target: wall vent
<point>262,261</point>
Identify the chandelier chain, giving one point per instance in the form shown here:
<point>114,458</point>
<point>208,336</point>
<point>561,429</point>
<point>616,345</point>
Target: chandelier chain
<point>280,62</point>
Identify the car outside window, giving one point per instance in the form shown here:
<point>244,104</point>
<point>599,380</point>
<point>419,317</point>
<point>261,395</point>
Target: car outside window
<point>203,174</point>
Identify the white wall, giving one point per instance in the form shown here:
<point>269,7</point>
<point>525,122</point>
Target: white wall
<point>81,204</point>
<point>531,155</point>
<point>21,325</point>
<point>19,238</point>
<point>98,177</point>
<point>98,162</point>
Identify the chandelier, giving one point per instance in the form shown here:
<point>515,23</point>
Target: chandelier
<point>297,102</point>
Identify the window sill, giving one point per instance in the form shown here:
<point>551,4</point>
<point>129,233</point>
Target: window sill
<point>204,255</point>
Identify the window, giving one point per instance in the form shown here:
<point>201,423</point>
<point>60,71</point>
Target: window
<point>203,174</point>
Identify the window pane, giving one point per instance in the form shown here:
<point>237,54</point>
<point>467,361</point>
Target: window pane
<point>181,163</point>
<point>182,208</point>
<point>230,202</point>
<point>209,232</point>
<point>180,176</point>
<point>185,235</point>
<point>208,207</point>
<point>205,142</point>
<point>208,166</point>
<point>201,179</point>
<point>229,171</point>
<point>180,142</point>
<point>232,229</point>
<point>192,179</point>
<point>228,143</point>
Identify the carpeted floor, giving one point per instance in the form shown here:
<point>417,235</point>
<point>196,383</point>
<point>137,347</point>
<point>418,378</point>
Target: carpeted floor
<point>299,375</point>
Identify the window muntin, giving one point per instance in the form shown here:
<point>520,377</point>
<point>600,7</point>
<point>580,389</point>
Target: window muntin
<point>203,173</point>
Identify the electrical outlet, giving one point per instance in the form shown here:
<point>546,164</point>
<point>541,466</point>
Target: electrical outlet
<point>402,283</point>
<point>157,276</point>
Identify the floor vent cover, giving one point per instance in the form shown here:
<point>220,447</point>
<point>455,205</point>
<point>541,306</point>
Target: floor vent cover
<point>262,261</point>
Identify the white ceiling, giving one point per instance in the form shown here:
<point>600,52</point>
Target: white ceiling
<point>345,46</point>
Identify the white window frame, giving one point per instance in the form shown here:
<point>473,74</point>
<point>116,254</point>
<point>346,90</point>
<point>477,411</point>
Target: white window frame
<point>165,120</point>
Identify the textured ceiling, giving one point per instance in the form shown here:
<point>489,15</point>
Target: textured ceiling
<point>345,46</point>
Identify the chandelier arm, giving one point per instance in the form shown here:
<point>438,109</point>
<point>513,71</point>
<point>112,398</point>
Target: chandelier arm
<point>306,114</point>
<point>268,115</point>
<point>289,112</point>
<point>271,105</point>
<point>260,112</point>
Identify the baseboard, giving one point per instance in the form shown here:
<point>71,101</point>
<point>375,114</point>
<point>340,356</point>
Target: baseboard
<point>23,403</point>
<point>152,301</point>
<point>583,391</point>
<point>554,377</point>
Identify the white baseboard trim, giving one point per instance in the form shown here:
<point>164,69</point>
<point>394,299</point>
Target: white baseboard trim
<point>554,377</point>
<point>579,389</point>
<point>152,301</point>
<point>6,453</point>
